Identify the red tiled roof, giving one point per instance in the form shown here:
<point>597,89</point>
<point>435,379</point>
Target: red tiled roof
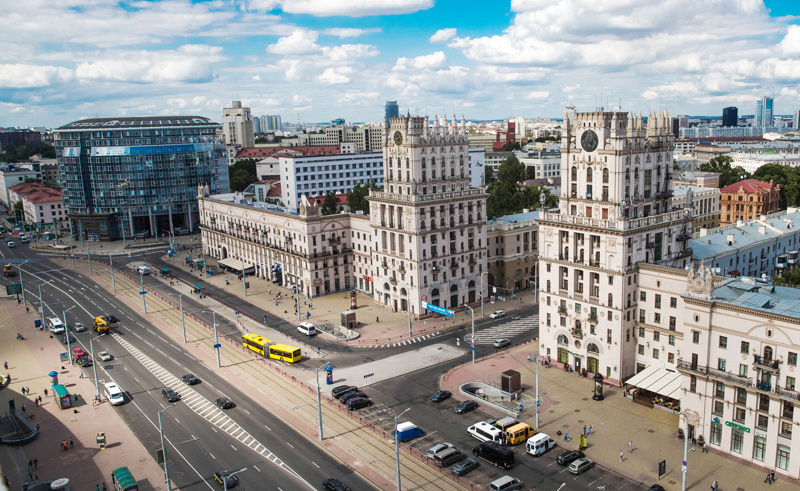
<point>751,186</point>
<point>26,189</point>
<point>261,152</point>
<point>341,199</point>
<point>41,197</point>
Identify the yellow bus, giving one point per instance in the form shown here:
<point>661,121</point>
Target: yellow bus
<point>265,347</point>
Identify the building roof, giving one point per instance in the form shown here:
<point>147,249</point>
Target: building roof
<point>760,295</point>
<point>341,199</point>
<point>750,186</point>
<point>138,122</point>
<point>525,216</point>
<point>273,187</point>
<point>748,234</point>
<point>682,189</point>
<point>31,187</point>
<point>261,152</point>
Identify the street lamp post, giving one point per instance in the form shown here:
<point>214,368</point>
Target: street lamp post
<point>164,448</point>
<point>485,272</point>
<point>397,444</point>
<point>408,310</point>
<point>94,365</point>
<point>472,341</point>
<point>183,322</point>
<point>319,398</point>
<point>41,301</point>
<point>22,285</point>
<point>89,255</point>
<point>144,303</point>
<point>244,278</point>
<point>66,333</point>
<point>71,252</point>
<point>685,450</point>
<point>216,337</point>
<point>225,480</point>
<point>111,265</point>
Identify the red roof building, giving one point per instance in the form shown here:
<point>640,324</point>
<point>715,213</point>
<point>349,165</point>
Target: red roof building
<point>264,152</point>
<point>40,203</point>
<point>748,199</point>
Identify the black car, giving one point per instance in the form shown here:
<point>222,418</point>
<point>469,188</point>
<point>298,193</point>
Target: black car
<point>441,395</point>
<point>358,403</point>
<point>224,403</point>
<point>84,361</point>
<point>349,395</point>
<point>230,481</point>
<point>190,379</point>
<point>111,318</point>
<point>466,407</point>
<point>337,391</point>
<point>334,485</point>
<point>170,395</point>
<point>567,457</point>
<point>64,339</point>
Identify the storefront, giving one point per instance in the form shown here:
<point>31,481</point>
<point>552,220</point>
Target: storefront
<point>657,387</point>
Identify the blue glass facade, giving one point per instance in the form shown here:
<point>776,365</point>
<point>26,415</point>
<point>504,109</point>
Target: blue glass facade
<point>138,176</point>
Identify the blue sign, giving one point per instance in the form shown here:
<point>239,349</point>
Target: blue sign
<point>538,403</point>
<point>437,309</point>
<point>218,345</point>
<point>142,293</point>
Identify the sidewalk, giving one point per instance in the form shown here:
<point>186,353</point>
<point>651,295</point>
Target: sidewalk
<point>378,326</point>
<point>86,465</point>
<point>567,406</point>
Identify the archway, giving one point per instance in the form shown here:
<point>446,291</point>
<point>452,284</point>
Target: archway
<point>471,290</point>
<point>435,297</point>
<point>224,253</point>
<point>454,296</point>
<point>387,296</point>
<point>403,300</point>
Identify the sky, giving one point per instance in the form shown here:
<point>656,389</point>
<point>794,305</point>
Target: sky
<point>64,60</point>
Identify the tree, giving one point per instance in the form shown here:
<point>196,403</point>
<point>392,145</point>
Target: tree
<point>511,146</point>
<point>511,170</point>
<point>242,174</point>
<point>503,199</point>
<point>357,198</point>
<point>727,174</point>
<point>784,176</point>
<point>789,278</point>
<point>330,205</point>
<point>488,173</point>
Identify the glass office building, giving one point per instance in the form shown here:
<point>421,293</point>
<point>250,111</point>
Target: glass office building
<point>138,176</point>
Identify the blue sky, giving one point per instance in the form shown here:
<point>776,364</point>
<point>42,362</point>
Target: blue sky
<point>62,60</point>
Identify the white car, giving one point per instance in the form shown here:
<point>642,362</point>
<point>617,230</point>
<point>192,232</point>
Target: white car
<point>79,327</point>
<point>104,356</point>
<point>11,244</point>
<point>24,239</point>
<point>497,313</point>
<point>307,328</point>
<point>143,270</point>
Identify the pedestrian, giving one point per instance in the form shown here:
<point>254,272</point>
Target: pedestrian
<point>584,430</point>
<point>37,426</point>
<point>71,445</point>
<point>630,447</point>
<point>705,447</point>
<point>377,319</point>
<point>81,375</point>
<point>5,365</point>
<point>714,486</point>
<point>96,487</point>
<point>35,462</point>
<point>23,409</point>
<point>621,453</point>
<point>104,486</point>
<point>590,429</point>
<point>529,357</point>
<point>45,392</point>
<point>30,464</point>
<point>771,477</point>
<point>40,400</point>
<point>113,479</point>
<point>8,483</point>
<point>64,446</point>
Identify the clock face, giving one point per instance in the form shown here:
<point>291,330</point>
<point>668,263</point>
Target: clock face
<point>398,138</point>
<point>589,140</point>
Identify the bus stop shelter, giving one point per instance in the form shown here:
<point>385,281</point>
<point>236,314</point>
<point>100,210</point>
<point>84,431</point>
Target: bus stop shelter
<point>123,480</point>
<point>63,397</point>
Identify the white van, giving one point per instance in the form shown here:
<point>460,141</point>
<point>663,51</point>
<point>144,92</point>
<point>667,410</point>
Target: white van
<point>307,328</point>
<point>143,269</point>
<point>485,432</point>
<point>55,324</point>
<point>113,393</point>
<point>539,443</point>
<point>505,483</point>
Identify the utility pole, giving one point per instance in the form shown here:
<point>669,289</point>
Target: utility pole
<point>111,263</point>
<point>164,448</point>
<point>472,341</point>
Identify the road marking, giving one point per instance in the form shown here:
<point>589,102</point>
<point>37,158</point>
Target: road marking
<point>267,427</point>
<point>234,448</point>
<point>318,467</point>
<point>212,455</point>
<point>289,444</point>
<point>256,468</point>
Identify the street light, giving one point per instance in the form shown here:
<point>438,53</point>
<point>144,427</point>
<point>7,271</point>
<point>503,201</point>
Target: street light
<point>111,265</point>
<point>164,448</point>
<point>408,310</point>
<point>89,255</point>
<point>66,333</point>
<point>319,399</point>
<point>472,341</point>
<point>183,322</point>
<point>41,300</point>
<point>216,337</point>
<point>94,365</point>
<point>19,267</point>
<point>225,480</point>
<point>397,444</point>
<point>685,450</point>
<point>144,303</point>
<point>485,272</point>
<point>244,278</point>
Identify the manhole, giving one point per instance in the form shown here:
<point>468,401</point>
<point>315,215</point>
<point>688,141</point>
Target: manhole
<point>551,411</point>
<point>651,431</point>
<point>565,426</point>
<point>577,410</point>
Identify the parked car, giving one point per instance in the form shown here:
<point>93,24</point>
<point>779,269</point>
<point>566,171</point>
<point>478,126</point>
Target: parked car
<point>104,356</point>
<point>170,395</point>
<point>341,389</point>
<point>439,447</point>
<point>334,485</point>
<point>11,244</point>
<point>349,395</point>
<point>497,314</point>
<point>143,270</point>
<point>501,343</point>
<point>64,338</point>
<point>441,395</point>
<point>466,407</point>
<point>224,403</point>
<point>79,327</point>
<point>229,480</point>
<point>357,403</point>
<point>84,361</point>
<point>77,352</point>
<point>566,458</point>
<point>190,379</point>
<point>465,467</point>
<point>581,465</point>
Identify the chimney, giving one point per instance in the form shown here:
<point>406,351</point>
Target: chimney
<point>730,239</point>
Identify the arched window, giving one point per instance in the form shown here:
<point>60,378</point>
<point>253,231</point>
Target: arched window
<point>692,383</point>
<point>562,339</point>
<point>627,174</point>
<point>423,162</point>
<point>636,173</point>
<point>610,300</point>
<point>433,161</point>
<point>589,174</point>
<point>574,173</point>
<point>592,348</point>
<point>548,286</point>
<point>605,176</point>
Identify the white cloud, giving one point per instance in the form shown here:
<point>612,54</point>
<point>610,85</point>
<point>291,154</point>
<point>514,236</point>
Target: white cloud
<point>300,42</point>
<point>189,63</point>
<point>538,95</point>
<point>789,92</point>
<point>354,8</point>
<point>333,76</point>
<point>443,35</point>
<point>349,32</point>
<point>791,43</point>
<point>424,62</point>
<point>28,76</point>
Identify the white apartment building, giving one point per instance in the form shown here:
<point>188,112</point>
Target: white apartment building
<point>752,161</point>
<point>685,162</point>
<point>704,203</point>
<point>369,138</point>
<point>546,163</point>
<point>477,163</point>
<point>237,125</point>
<point>11,176</point>
<point>318,175</point>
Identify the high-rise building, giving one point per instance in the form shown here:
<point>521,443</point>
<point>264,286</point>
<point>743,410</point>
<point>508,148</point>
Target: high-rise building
<point>764,114</point>
<point>796,120</point>
<point>257,126</point>
<point>392,110</point>
<point>138,175</point>
<point>237,125</point>
<point>614,213</point>
<point>430,225</point>
<point>730,116</point>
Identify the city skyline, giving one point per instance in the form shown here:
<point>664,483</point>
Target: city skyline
<point>325,60</point>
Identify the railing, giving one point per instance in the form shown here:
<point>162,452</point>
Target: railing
<point>761,362</point>
<point>393,280</point>
<point>562,310</point>
<point>577,334</point>
<point>763,386</point>
<point>787,393</point>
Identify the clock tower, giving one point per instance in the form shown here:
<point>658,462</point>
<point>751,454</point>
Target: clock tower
<point>614,213</point>
<point>429,225</point>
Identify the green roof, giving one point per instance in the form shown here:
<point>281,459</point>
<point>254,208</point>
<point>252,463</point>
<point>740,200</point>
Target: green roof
<point>61,391</point>
<point>125,479</point>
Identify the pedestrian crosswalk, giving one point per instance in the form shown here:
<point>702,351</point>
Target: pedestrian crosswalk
<point>405,342</point>
<point>505,330</point>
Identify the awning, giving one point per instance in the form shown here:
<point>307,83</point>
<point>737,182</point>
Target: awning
<point>198,287</point>
<point>234,264</point>
<point>201,264</point>
<point>165,270</point>
<point>659,380</point>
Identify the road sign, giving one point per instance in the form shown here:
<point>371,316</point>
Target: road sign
<point>218,345</point>
<point>683,468</point>
<point>438,310</point>
<point>142,293</point>
<point>684,462</point>
<point>538,403</point>
<point>13,289</point>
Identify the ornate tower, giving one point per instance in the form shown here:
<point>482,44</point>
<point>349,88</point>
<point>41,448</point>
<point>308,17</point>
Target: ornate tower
<point>614,212</point>
<point>429,225</point>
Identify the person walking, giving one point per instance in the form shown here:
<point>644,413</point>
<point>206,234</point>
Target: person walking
<point>5,365</point>
<point>767,479</point>
<point>35,463</point>
<point>705,447</point>
<point>771,477</point>
<point>714,486</point>
<point>64,446</point>
<point>104,486</point>
<point>45,392</point>
<point>71,445</point>
<point>621,453</point>
<point>630,447</point>
<point>584,430</point>
<point>529,357</point>
<point>590,429</point>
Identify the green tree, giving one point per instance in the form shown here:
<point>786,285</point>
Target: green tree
<point>488,174</point>
<point>511,170</point>
<point>503,199</point>
<point>357,198</point>
<point>727,174</point>
<point>329,206</point>
<point>242,174</point>
<point>784,176</point>
<point>789,278</point>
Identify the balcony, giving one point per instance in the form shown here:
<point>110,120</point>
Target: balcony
<point>562,310</point>
<point>593,317</point>
<point>761,363</point>
<point>780,261</point>
<point>335,239</point>
<point>683,237</point>
<point>792,257</point>
<point>454,265</point>
<point>384,264</point>
<point>401,270</point>
<point>577,334</point>
<point>650,244</point>
<point>393,280</point>
<point>715,373</point>
<point>788,393</point>
<point>472,261</point>
<point>764,386</point>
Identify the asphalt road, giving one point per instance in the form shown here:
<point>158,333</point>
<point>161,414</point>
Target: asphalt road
<point>195,447</point>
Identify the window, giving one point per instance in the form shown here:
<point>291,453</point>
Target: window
<point>641,349</point>
<point>786,429</point>
<point>672,323</point>
<point>723,342</point>
<point>782,459</point>
<point>655,353</point>
<point>671,357</point>
<point>672,340</point>
<point>608,337</point>
<point>788,410</point>
<point>657,318</point>
<point>759,448</point>
<point>743,370</point>
<point>719,390</point>
<point>762,421</point>
<point>790,383</point>
<point>792,359</point>
<point>741,395</point>
<point>716,433</point>
<point>643,296</point>
<point>673,302</point>
<point>721,364</point>
<point>656,336</point>
<point>641,332</point>
<point>745,348</point>
<point>737,441</point>
<point>692,383</point>
<point>719,407</point>
<point>696,337</point>
<point>642,315</point>
<point>763,402</point>
<point>658,301</point>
